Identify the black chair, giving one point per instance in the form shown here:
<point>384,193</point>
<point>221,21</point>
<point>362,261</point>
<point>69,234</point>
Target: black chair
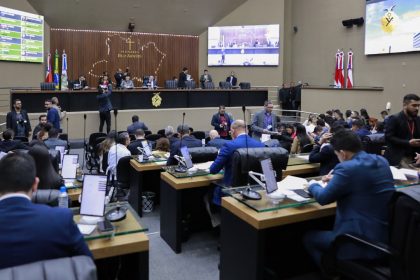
<point>47,86</point>
<point>153,137</point>
<point>190,84</point>
<point>203,154</point>
<point>64,136</point>
<point>307,148</point>
<point>245,85</point>
<point>225,85</point>
<point>147,132</point>
<point>171,84</point>
<point>21,138</point>
<point>123,177</point>
<point>245,160</point>
<point>91,155</point>
<point>55,156</point>
<point>49,197</point>
<point>401,256</point>
<point>199,134</point>
<point>132,137</point>
<point>374,144</point>
<point>208,85</point>
<point>161,132</point>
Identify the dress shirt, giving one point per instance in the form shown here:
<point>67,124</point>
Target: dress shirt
<point>121,151</point>
<point>9,195</point>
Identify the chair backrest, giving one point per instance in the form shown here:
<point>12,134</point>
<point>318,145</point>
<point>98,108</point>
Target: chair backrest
<point>172,84</point>
<point>225,85</point>
<point>55,156</point>
<point>147,132</point>
<point>21,138</point>
<point>203,154</point>
<point>78,267</point>
<point>307,148</point>
<point>245,160</point>
<point>190,84</point>
<point>93,137</point>
<point>153,137</point>
<point>47,86</point>
<point>374,143</point>
<point>49,197</point>
<point>161,132</point>
<point>123,170</point>
<point>405,232</point>
<point>208,85</point>
<point>199,134</point>
<point>245,85</point>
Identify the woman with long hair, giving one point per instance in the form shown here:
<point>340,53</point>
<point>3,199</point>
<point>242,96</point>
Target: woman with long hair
<point>301,140</point>
<point>48,177</point>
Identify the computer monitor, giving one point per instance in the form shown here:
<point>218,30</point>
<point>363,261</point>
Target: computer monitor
<point>69,166</point>
<point>146,148</point>
<point>93,196</point>
<point>62,150</point>
<point>269,175</point>
<point>187,157</point>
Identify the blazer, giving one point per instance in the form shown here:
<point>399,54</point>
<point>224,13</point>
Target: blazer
<point>104,101</point>
<point>11,121</point>
<point>215,121</point>
<point>188,141</point>
<point>397,137</point>
<point>38,232</point>
<point>234,80</point>
<point>202,80</point>
<point>325,156</point>
<point>216,142</point>
<point>362,188</point>
<point>182,79</point>
<point>258,123</point>
<point>131,129</point>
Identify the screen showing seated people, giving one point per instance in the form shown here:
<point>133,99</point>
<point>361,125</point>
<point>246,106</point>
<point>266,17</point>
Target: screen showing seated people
<point>21,36</point>
<point>249,45</point>
<point>93,196</point>
<point>69,166</point>
<point>392,26</point>
<point>187,157</point>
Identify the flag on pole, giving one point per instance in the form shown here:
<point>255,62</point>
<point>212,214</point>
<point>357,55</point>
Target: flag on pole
<point>56,75</point>
<point>64,81</point>
<point>349,83</point>
<point>48,74</point>
<point>337,72</point>
<point>342,85</point>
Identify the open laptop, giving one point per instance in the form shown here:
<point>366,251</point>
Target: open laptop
<point>69,169</point>
<point>146,148</point>
<point>93,196</point>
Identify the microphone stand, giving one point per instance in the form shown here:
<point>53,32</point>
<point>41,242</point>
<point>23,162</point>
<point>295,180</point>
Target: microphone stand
<point>67,119</point>
<point>180,168</point>
<point>84,139</point>
<point>248,193</point>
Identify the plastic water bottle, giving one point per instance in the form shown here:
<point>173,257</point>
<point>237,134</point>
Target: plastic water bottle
<point>63,198</point>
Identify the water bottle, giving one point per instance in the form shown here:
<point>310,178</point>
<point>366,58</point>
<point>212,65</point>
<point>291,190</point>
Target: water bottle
<point>203,142</point>
<point>63,198</point>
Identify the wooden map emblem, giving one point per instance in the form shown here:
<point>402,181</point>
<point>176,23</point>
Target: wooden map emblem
<point>156,99</point>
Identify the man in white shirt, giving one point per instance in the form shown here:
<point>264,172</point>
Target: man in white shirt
<point>118,151</point>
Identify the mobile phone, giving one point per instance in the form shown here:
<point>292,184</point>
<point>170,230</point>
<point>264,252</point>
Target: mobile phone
<point>105,225</point>
<point>302,193</point>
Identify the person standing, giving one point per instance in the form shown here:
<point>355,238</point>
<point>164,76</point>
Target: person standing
<point>183,78</point>
<point>402,133</point>
<point>105,106</point>
<point>265,121</point>
<point>205,78</point>
<point>18,120</point>
<point>53,117</point>
<point>221,122</point>
<point>136,124</point>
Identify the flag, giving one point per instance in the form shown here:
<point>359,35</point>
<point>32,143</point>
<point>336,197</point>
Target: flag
<point>341,65</point>
<point>56,75</point>
<point>349,83</point>
<point>337,70</point>
<point>64,81</point>
<point>48,74</point>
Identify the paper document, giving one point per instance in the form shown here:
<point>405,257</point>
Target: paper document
<point>409,172</point>
<point>86,229</point>
<point>204,165</point>
<point>265,137</point>
<point>397,174</point>
<point>306,157</point>
<point>292,183</point>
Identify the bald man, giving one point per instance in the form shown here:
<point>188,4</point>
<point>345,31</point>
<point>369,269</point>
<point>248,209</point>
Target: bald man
<point>215,140</point>
<point>224,158</point>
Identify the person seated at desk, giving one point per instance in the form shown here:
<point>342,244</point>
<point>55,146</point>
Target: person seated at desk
<point>53,139</point>
<point>81,83</point>
<point>127,83</point>
<point>137,124</point>
<point>9,144</point>
<point>232,79</point>
<point>118,151</point>
<point>187,141</point>
<point>301,140</point>
<point>358,127</point>
<point>162,148</point>
<point>205,78</point>
<point>215,140</point>
<point>224,159</point>
<point>362,186</point>
<point>32,232</point>
<point>48,177</point>
<point>152,84</point>
<point>170,134</point>
<point>139,134</point>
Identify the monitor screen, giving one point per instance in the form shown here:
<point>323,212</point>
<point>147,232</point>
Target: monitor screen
<point>21,36</point>
<point>392,26</point>
<point>248,45</point>
<point>93,196</point>
<point>187,157</point>
<point>69,166</point>
<point>269,175</point>
<point>146,148</point>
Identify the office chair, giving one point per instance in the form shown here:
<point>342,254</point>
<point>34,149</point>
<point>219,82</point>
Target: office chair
<point>245,85</point>
<point>245,160</point>
<point>225,85</point>
<point>123,177</point>
<point>147,132</point>
<point>208,85</point>
<point>374,143</point>
<point>190,84</point>
<point>199,134</point>
<point>203,154</point>
<point>47,86</point>
<point>153,137</point>
<point>400,256</point>
<point>171,84</point>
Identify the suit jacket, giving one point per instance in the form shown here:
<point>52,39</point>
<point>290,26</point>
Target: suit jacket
<point>234,80</point>
<point>215,121</point>
<point>53,117</point>
<point>52,143</point>
<point>11,121</point>
<point>104,101</point>
<point>325,156</point>
<point>362,188</point>
<point>182,79</point>
<point>258,123</point>
<point>202,80</point>
<point>133,146</point>
<point>38,232</point>
<point>131,129</point>
<point>188,141</point>
<point>397,136</point>
<point>216,142</point>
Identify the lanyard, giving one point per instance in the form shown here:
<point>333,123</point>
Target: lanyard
<point>411,128</point>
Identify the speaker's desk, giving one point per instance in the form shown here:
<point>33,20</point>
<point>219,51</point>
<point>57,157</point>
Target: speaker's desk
<point>172,191</point>
<point>129,242</point>
<point>244,231</point>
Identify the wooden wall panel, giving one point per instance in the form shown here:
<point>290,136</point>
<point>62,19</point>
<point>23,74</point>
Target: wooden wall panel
<point>93,52</point>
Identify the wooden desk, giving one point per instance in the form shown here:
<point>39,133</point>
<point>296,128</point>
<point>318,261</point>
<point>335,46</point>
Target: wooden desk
<point>300,169</point>
<point>172,191</point>
<point>137,181</point>
<point>243,233</point>
<point>74,194</point>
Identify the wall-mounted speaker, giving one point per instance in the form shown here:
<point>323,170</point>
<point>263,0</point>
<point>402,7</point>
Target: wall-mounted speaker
<point>354,21</point>
<point>295,29</point>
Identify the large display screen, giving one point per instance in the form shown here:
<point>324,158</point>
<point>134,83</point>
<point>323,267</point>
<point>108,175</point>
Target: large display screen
<point>251,45</point>
<point>21,36</point>
<point>392,26</point>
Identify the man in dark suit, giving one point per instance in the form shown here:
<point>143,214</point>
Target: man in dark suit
<point>8,144</point>
<point>18,120</point>
<point>222,121</point>
<point>105,105</point>
<point>264,122</point>
<point>206,77</point>
<point>183,78</point>
<point>362,186</point>
<point>137,124</point>
<point>132,147</point>
<point>215,140</point>
<point>186,140</point>
<point>53,116</point>
<point>232,79</point>
<point>402,133</point>
<point>224,158</point>
<point>32,232</point>
<point>118,78</point>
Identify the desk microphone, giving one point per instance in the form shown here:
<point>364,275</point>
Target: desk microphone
<point>248,193</point>
<point>181,168</point>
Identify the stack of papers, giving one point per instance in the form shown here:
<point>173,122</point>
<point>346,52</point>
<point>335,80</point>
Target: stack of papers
<point>86,229</point>
<point>203,166</point>
<point>402,173</point>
